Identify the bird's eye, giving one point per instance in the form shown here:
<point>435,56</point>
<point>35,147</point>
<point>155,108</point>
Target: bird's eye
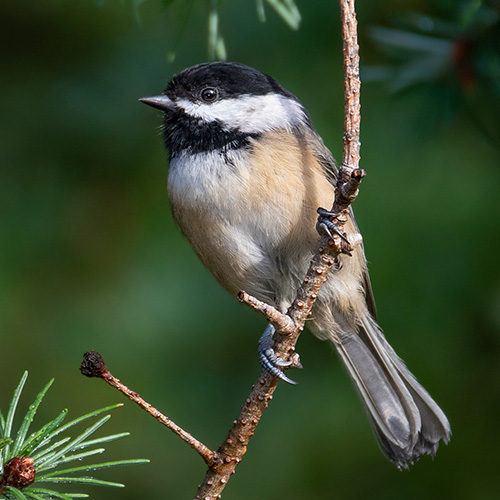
<point>209,94</point>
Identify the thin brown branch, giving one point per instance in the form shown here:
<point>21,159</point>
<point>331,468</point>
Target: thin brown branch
<point>93,366</point>
<point>234,446</point>
<point>352,85</point>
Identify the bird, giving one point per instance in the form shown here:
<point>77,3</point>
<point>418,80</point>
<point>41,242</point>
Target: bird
<point>247,174</point>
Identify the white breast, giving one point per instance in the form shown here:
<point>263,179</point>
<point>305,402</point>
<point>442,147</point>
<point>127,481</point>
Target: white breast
<point>206,181</point>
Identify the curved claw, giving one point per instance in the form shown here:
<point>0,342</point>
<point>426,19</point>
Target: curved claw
<point>268,359</point>
<point>326,226</point>
<point>274,360</point>
<point>322,229</point>
<point>274,370</point>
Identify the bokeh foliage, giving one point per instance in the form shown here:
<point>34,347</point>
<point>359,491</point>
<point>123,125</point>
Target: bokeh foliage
<point>90,257</point>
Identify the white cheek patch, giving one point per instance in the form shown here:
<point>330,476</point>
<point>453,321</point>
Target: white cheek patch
<point>249,113</point>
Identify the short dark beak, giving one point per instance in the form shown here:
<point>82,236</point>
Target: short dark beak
<point>161,102</point>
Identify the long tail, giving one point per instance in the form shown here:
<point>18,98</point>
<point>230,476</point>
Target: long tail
<point>406,420</point>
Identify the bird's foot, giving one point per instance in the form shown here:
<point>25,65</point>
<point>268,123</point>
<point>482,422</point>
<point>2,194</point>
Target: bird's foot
<point>326,227</point>
<point>268,359</point>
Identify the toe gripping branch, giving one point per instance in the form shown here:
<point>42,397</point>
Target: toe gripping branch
<point>268,359</point>
<point>346,192</point>
<point>326,227</point>
<point>288,329</point>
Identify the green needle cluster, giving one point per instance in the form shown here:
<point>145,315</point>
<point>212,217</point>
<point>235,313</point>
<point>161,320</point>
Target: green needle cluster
<point>27,460</point>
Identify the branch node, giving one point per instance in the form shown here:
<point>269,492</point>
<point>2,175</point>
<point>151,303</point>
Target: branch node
<point>93,365</point>
<point>282,322</point>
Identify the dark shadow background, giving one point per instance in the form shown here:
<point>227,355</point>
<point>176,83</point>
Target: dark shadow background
<point>90,257</point>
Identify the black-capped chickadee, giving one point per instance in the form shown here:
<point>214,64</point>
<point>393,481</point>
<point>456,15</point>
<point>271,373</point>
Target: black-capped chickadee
<point>247,174</point>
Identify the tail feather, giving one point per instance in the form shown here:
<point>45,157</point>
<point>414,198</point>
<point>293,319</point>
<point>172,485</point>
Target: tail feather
<point>407,421</point>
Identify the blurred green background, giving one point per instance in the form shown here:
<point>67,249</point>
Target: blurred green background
<point>90,257</point>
